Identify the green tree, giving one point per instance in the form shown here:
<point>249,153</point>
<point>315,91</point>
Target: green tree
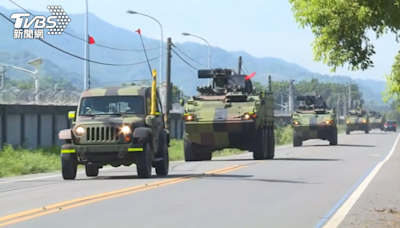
<point>340,29</point>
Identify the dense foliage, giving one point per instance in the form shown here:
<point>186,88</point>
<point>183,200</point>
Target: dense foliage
<point>340,29</point>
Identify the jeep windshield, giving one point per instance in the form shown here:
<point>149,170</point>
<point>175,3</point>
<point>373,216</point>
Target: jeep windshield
<point>111,105</point>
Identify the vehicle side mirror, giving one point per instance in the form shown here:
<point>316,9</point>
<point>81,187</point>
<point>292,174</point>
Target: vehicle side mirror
<point>182,102</point>
<point>71,115</point>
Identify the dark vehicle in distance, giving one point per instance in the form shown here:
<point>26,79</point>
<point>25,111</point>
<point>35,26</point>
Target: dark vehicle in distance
<point>390,126</point>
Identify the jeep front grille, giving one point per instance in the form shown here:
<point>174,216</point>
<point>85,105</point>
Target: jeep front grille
<point>102,134</point>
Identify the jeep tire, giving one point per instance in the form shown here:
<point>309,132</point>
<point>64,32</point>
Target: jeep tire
<point>69,166</point>
<point>144,164</point>
<point>162,166</point>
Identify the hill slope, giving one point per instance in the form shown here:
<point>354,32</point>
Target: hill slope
<point>181,72</point>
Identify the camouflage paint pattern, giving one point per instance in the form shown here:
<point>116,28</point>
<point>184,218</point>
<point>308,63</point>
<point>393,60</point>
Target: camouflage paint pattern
<point>220,125</point>
<point>308,125</point>
<point>376,121</point>
<point>357,123</point>
<point>103,133</point>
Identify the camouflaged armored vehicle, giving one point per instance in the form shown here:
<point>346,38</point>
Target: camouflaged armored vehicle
<point>116,126</point>
<point>314,120</point>
<point>357,120</point>
<point>376,120</point>
<point>228,114</point>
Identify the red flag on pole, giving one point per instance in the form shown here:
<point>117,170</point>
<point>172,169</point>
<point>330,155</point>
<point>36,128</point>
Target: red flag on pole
<point>250,76</point>
<point>91,40</point>
<point>139,32</point>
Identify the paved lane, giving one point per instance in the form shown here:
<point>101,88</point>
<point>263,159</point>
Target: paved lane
<point>295,190</point>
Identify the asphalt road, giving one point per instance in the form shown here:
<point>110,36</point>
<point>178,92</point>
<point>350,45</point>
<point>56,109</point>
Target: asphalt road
<point>302,188</point>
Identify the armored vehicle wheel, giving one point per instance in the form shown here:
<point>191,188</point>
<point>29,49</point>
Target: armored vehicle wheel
<point>334,138</point>
<point>347,132</point>
<point>191,153</point>
<point>144,162</point>
<point>162,167</point>
<point>366,131</point>
<point>297,140</point>
<point>271,144</point>
<point>260,151</point>
<point>69,166</point>
<point>91,170</point>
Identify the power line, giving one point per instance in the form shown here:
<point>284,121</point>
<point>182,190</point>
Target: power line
<point>118,49</point>
<point>173,45</point>
<point>107,64</point>
<point>183,59</point>
<point>245,68</point>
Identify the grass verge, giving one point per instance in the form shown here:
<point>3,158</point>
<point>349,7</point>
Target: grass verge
<point>19,161</point>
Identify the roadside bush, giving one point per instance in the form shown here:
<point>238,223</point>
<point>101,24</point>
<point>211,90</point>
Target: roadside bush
<point>20,161</point>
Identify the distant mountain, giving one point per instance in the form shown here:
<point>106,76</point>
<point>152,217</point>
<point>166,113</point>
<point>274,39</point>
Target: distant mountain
<point>183,75</point>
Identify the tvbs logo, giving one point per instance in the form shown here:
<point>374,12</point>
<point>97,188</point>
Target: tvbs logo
<point>55,23</point>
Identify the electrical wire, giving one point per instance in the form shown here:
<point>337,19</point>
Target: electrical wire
<point>112,48</point>
<point>173,45</point>
<point>245,68</point>
<point>183,59</point>
<point>107,64</point>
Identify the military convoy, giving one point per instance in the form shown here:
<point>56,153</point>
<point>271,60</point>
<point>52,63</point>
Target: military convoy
<point>124,125</point>
<point>376,120</point>
<point>357,120</point>
<point>228,114</point>
<point>313,119</point>
<point>121,125</point>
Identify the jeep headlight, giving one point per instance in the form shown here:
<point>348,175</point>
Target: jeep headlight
<point>80,131</point>
<point>125,130</point>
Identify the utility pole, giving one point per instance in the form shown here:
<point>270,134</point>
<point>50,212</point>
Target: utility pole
<point>350,106</point>
<point>167,96</point>
<point>240,65</point>
<point>344,105</point>
<point>291,96</point>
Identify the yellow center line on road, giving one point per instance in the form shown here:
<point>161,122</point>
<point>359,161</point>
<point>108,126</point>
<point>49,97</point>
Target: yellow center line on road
<point>30,214</point>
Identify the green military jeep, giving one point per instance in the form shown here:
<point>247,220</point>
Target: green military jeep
<point>116,126</point>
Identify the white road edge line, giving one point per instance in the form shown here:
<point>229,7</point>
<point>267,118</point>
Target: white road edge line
<point>342,212</point>
<point>81,172</point>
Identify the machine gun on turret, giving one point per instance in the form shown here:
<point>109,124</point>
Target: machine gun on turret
<point>358,111</point>
<point>312,103</point>
<point>226,82</point>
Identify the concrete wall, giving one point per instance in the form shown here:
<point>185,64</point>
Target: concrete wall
<point>38,125</point>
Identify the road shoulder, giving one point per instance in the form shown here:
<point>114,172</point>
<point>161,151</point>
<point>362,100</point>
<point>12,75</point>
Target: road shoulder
<point>379,205</point>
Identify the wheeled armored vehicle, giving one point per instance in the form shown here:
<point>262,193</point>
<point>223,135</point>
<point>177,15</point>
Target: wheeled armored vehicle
<point>228,114</point>
<point>313,119</point>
